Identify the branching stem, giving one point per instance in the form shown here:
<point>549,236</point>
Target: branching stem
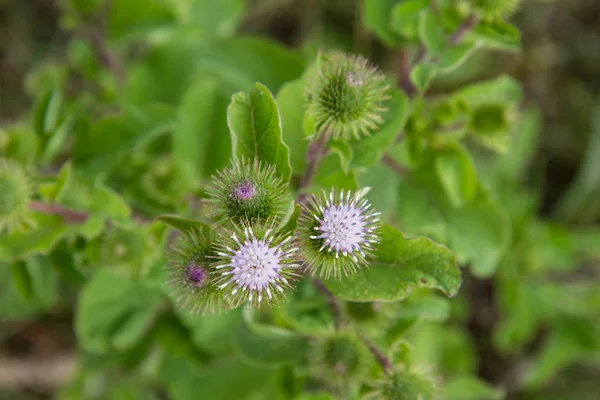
<point>69,216</point>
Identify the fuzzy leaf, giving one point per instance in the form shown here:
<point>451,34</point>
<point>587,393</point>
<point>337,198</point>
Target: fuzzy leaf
<point>255,127</point>
<point>400,265</point>
<point>267,346</point>
<point>290,99</point>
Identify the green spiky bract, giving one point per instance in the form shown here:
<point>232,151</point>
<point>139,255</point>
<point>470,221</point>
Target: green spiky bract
<point>320,260</point>
<point>257,254</point>
<point>267,201</point>
<point>15,192</point>
<point>404,383</point>
<point>195,250</point>
<point>345,95</point>
<point>495,9</point>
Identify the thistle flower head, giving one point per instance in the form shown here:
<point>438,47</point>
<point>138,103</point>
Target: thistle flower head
<point>248,191</point>
<point>345,95</point>
<point>495,9</point>
<point>15,192</point>
<point>255,264</point>
<point>191,281</point>
<point>337,232</point>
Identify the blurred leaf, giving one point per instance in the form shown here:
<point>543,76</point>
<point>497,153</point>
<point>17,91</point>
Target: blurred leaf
<point>255,128</point>
<point>400,265</point>
<point>471,388</point>
<point>134,19</point>
<point>344,151</point>
<point>455,56</point>
<point>267,346</point>
<point>497,34</point>
<point>422,75</point>
<point>369,150</point>
<point>184,225</point>
<point>114,312</point>
<point>431,32</point>
<point>376,17</point>
<point>456,172</point>
<point>405,17</point>
<point>54,192</point>
<point>213,19</point>
<point>201,138</point>
<point>22,280</point>
<point>580,201</point>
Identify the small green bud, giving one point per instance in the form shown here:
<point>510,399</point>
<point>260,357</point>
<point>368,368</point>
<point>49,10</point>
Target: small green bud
<point>491,124</point>
<point>495,9</point>
<point>191,276</point>
<point>248,191</point>
<point>255,264</point>
<point>405,383</point>
<point>15,193</point>
<point>337,232</point>
<point>345,95</point>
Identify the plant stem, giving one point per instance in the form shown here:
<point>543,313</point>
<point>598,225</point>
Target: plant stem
<point>332,302</point>
<point>395,165</point>
<point>315,153</point>
<point>463,29</point>
<point>383,361</point>
<point>70,216</point>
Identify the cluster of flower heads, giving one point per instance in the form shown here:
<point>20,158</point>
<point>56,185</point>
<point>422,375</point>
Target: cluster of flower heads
<point>254,258</point>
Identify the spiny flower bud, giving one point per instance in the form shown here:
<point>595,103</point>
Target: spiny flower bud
<point>255,264</point>
<point>190,269</point>
<point>15,192</point>
<point>337,232</point>
<point>248,191</point>
<point>494,9</point>
<point>345,95</point>
<point>405,383</point>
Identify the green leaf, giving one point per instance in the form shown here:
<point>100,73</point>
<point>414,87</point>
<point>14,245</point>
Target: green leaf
<point>290,221</point>
<point>114,312</point>
<point>22,280</point>
<point>291,101</point>
<point>134,19</point>
<point>210,18</point>
<point>497,34</point>
<point>422,75</point>
<point>455,56</point>
<point>267,346</point>
<point>330,174</point>
<point>468,387</point>
<point>400,265</point>
<point>456,172</point>
<point>431,32</point>
<point>344,151</point>
<point>201,138</point>
<point>369,150</point>
<point>184,225</point>
<point>376,17</point>
<point>405,17</point>
<point>54,192</point>
<point>227,379</point>
<point>255,128</point>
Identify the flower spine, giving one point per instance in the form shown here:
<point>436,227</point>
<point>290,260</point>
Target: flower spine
<point>337,233</point>
<point>255,264</point>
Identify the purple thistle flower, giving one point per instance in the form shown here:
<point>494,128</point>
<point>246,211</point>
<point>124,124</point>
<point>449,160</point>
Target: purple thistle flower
<point>196,275</point>
<point>339,231</point>
<point>244,191</point>
<point>255,267</point>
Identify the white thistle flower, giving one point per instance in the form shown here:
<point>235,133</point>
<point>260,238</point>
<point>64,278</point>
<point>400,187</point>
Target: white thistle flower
<point>258,266</point>
<point>339,231</point>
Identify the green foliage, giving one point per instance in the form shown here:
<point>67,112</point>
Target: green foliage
<point>163,195</point>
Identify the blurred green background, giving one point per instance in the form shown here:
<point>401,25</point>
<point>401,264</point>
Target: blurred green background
<point>559,68</point>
